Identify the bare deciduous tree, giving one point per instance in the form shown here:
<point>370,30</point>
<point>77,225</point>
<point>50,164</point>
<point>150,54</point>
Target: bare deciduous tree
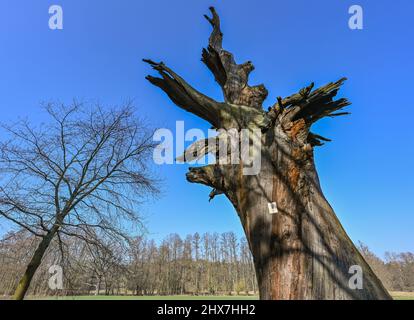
<point>79,175</point>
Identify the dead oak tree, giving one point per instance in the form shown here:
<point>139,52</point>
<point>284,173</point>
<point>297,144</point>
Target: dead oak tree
<point>302,252</point>
<point>79,175</point>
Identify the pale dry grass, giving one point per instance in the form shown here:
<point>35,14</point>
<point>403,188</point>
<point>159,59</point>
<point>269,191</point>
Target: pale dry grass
<point>399,295</point>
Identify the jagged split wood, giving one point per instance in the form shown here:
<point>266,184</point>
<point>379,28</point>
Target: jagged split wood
<point>302,252</point>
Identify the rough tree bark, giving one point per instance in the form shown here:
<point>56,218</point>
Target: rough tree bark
<point>302,252</point>
<point>34,264</point>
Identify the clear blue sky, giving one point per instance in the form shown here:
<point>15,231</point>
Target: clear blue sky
<point>366,172</point>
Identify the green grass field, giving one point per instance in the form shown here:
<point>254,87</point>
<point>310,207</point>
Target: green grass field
<point>403,295</point>
<point>395,295</point>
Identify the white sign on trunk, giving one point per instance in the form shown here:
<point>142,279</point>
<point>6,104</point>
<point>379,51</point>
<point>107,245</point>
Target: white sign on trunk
<point>272,207</point>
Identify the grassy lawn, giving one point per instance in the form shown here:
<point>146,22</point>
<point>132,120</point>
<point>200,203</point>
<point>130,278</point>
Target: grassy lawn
<point>403,295</point>
<point>395,295</point>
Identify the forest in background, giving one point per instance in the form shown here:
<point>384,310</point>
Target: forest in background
<point>207,264</point>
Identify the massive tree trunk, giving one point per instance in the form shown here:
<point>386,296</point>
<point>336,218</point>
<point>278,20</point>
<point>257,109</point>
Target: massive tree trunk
<point>301,251</point>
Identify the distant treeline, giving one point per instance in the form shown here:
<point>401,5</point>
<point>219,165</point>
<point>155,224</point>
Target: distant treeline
<point>197,264</point>
<point>396,271</point>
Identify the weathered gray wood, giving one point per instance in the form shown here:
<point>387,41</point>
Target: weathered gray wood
<point>302,252</point>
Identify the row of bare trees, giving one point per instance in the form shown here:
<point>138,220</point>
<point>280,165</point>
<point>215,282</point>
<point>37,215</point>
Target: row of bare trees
<point>197,264</point>
<point>208,264</point>
<point>396,271</point>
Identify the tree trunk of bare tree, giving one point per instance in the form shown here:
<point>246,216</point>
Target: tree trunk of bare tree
<point>34,264</point>
<point>302,251</point>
